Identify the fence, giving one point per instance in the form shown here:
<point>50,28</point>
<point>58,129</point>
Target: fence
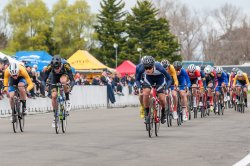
<point>82,97</point>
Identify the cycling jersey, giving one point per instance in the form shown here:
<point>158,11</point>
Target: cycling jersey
<point>211,78</point>
<point>194,77</point>
<point>137,72</point>
<point>55,77</point>
<point>172,72</point>
<point>241,80</point>
<point>222,78</point>
<point>183,79</point>
<point>23,76</point>
<point>231,79</point>
<point>156,77</point>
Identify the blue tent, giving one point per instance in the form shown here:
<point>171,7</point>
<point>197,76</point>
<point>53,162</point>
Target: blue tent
<point>39,58</point>
<point>30,58</point>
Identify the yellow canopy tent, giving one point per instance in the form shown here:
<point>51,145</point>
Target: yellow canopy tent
<point>84,62</point>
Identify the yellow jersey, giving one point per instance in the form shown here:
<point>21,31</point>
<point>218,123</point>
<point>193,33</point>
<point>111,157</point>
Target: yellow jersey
<point>22,73</point>
<point>243,79</point>
<point>172,72</point>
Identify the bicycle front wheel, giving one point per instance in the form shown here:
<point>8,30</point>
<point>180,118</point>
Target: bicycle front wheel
<point>64,121</point>
<point>57,122</point>
<point>21,119</point>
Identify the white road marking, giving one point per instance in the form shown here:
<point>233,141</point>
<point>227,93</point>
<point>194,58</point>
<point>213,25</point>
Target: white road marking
<point>245,161</point>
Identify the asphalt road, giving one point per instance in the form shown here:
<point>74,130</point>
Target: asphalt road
<point>117,137</point>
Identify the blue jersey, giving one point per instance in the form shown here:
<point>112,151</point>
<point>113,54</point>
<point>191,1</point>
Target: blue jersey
<point>183,78</point>
<point>222,78</point>
<point>159,71</point>
<point>203,78</point>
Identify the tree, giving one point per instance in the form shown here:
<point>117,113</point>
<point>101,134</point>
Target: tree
<point>29,22</point>
<point>186,24</point>
<point>71,24</point>
<point>110,30</point>
<point>149,33</point>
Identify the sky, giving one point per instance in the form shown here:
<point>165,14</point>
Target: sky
<point>196,4</point>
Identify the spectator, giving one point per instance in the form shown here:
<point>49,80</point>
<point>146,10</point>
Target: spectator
<point>96,80</point>
<point>41,78</point>
<point>77,79</point>
<point>106,81</point>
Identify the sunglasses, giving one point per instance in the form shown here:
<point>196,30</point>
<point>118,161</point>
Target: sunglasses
<point>14,75</point>
<point>148,68</point>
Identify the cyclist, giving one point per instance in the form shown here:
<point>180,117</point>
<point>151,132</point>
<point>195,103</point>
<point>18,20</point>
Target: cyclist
<point>184,81</point>
<point>210,82</point>
<point>154,74</point>
<point>196,81</point>
<point>222,83</point>
<point>60,73</point>
<point>241,79</point>
<point>16,75</point>
<point>231,81</point>
<point>170,69</point>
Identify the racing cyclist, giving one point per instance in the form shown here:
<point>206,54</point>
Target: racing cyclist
<point>196,81</point>
<point>210,82</point>
<point>154,74</point>
<point>184,82</point>
<point>241,79</point>
<point>170,69</point>
<point>60,73</point>
<point>222,83</point>
<point>16,75</point>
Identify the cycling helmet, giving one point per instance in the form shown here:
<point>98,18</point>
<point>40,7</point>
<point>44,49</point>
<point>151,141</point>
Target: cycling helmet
<point>56,61</point>
<point>202,67</point>
<point>239,73</point>
<point>148,61</point>
<point>198,68</point>
<point>219,69</point>
<point>177,65</point>
<point>165,63</point>
<point>191,68</point>
<point>13,69</point>
<point>207,70</point>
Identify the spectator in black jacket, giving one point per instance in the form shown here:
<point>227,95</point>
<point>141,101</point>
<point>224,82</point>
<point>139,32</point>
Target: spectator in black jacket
<point>105,81</point>
<point>96,80</point>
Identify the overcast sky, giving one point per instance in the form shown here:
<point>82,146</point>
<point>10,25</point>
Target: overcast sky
<point>196,4</point>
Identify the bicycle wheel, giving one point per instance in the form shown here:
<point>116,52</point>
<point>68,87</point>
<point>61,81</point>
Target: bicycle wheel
<point>157,118</point>
<point>15,116</point>
<point>21,119</point>
<point>64,121</point>
<point>150,125</point>
<point>57,122</point>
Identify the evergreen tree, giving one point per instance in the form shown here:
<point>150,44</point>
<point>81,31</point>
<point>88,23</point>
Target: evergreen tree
<point>110,30</point>
<point>150,34</point>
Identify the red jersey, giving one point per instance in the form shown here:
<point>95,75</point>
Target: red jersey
<point>195,75</point>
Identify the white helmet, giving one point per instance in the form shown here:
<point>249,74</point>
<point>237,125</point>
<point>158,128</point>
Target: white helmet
<point>13,69</point>
<point>207,70</point>
<point>198,68</point>
<point>219,69</point>
<point>191,68</point>
<point>240,73</point>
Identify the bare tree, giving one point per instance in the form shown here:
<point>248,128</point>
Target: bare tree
<point>185,24</point>
<point>226,16</point>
